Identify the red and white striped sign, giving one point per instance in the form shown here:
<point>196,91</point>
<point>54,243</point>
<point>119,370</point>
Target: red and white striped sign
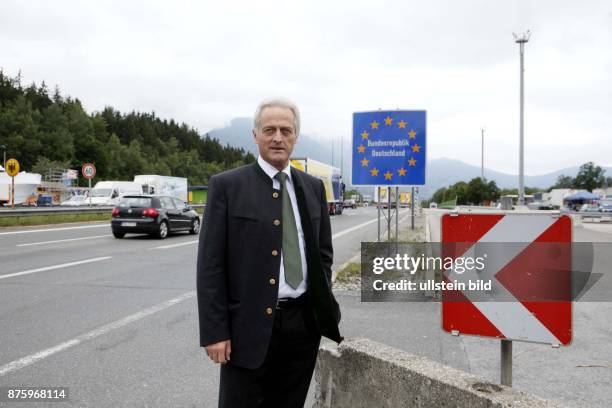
<point>523,273</point>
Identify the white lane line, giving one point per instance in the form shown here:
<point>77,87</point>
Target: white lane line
<point>55,229</point>
<point>49,268</point>
<point>356,227</point>
<point>62,240</point>
<point>33,358</point>
<point>176,245</point>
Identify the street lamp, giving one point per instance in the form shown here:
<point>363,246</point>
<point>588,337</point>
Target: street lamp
<point>521,39</point>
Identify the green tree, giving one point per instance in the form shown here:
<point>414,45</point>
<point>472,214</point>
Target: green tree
<point>589,177</point>
<point>563,181</point>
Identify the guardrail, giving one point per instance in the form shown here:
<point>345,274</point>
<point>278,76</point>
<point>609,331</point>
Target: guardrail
<point>24,212</point>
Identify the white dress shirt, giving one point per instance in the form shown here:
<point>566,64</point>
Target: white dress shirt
<point>284,290</point>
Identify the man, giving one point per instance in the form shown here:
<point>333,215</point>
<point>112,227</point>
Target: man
<point>264,271</point>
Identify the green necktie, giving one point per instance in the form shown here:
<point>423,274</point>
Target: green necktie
<point>292,260</point>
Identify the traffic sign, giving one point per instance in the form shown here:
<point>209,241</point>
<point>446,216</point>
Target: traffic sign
<point>89,171</point>
<point>389,148</point>
<point>530,272</point>
<point>12,167</point>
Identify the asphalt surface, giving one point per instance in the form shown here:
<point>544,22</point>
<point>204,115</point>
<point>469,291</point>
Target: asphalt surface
<point>120,329</point>
<point>113,320</point>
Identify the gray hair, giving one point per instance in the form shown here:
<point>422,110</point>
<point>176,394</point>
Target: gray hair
<point>277,103</point>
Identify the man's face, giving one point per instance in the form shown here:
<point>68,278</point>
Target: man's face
<point>276,136</point>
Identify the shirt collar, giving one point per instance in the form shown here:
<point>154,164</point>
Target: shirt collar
<point>271,170</point>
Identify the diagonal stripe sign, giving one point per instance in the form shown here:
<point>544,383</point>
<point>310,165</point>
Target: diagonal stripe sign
<point>501,312</point>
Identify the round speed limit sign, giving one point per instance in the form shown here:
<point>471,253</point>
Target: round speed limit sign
<point>89,171</point>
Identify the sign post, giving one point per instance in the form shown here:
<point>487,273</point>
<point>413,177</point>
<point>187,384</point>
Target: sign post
<point>389,150</point>
<point>12,169</point>
<point>527,262</point>
<point>89,171</point>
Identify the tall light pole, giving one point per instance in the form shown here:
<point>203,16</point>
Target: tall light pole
<point>482,155</point>
<point>521,39</point>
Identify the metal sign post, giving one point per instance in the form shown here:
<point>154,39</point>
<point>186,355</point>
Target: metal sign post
<point>12,169</point>
<point>89,171</point>
<point>412,209</point>
<point>506,363</point>
<point>378,210</point>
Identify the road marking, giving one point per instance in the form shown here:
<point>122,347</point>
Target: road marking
<point>356,227</point>
<point>62,240</point>
<point>33,358</point>
<point>49,268</point>
<point>55,229</point>
<point>176,245</point>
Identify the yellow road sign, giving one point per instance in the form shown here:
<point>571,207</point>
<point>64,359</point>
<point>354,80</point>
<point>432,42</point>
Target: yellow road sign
<point>12,167</point>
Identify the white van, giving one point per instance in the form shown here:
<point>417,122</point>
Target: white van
<point>108,192</point>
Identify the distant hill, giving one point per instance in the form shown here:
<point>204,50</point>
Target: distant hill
<point>238,134</point>
<point>441,172</point>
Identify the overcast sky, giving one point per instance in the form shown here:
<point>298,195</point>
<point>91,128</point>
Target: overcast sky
<point>206,62</point>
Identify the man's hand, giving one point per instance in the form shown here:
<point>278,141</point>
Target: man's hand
<point>220,352</point>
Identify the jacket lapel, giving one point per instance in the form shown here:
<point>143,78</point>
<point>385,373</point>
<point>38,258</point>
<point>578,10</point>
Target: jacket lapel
<point>320,292</point>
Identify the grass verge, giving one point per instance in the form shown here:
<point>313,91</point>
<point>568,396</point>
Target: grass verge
<point>349,273</point>
<point>51,219</point>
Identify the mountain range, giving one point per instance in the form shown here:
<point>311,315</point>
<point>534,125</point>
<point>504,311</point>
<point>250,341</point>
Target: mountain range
<point>441,172</point>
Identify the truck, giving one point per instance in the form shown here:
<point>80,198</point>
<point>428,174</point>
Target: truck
<point>108,192</point>
<point>331,177</point>
<point>163,185</point>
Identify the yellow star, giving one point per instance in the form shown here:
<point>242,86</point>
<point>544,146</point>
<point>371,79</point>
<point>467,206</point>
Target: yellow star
<point>402,124</point>
<point>361,148</point>
<point>412,134</point>
<point>374,172</point>
<point>364,135</point>
<point>388,175</point>
<point>364,163</point>
<point>416,148</point>
<point>388,121</point>
<point>412,162</point>
<point>402,171</point>
<point>374,124</point>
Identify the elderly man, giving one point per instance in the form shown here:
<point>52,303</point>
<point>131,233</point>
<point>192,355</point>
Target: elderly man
<point>264,271</point>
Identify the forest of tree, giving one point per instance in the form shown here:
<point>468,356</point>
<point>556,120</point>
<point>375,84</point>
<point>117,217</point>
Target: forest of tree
<point>44,129</point>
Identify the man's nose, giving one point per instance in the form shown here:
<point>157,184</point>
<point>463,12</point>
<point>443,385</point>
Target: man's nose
<point>278,137</point>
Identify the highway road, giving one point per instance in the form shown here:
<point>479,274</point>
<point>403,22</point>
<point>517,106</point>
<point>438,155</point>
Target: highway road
<point>116,321</point>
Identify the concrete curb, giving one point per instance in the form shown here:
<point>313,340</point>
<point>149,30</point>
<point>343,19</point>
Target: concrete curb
<point>364,373</point>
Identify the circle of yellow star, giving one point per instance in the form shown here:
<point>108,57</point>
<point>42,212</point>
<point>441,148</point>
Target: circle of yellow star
<point>361,148</point>
<point>388,175</point>
<point>412,134</point>
<point>374,124</point>
<point>364,162</point>
<point>402,124</point>
<point>388,121</point>
<point>364,135</point>
<point>402,171</point>
<point>374,172</point>
<point>412,162</point>
<point>416,148</point>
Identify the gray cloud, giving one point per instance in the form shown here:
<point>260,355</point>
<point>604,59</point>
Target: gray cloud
<point>206,62</point>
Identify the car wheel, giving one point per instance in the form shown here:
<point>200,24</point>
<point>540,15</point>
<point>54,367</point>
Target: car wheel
<point>195,226</point>
<point>119,234</point>
<point>162,231</point>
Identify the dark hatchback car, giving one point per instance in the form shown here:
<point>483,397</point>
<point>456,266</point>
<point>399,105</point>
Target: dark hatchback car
<point>154,215</point>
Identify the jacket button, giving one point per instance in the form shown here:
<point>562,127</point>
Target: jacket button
<point>269,311</point>
<point>277,222</point>
<point>275,195</point>
<point>274,252</point>
<point>272,281</point>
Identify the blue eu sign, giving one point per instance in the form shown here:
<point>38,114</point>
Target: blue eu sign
<point>389,148</point>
